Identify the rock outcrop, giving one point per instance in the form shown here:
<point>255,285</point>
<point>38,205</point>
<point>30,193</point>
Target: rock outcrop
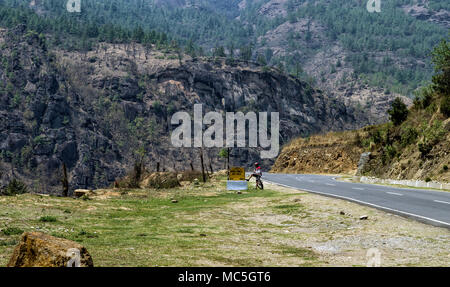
<point>37,249</point>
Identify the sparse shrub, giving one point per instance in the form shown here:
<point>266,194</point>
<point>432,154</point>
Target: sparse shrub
<point>48,218</point>
<point>427,179</point>
<point>390,151</point>
<point>398,112</point>
<point>376,136</point>
<point>12,231</point>
<point>14,187</point>
<point>441,58</point>
<point>423,98</point>
<point>425,148</point>
<point>158,108</point>
<point>409,136</point>
<point>445,106</point>
<point>435,132</point>
<point>223,153</point>
<point>358,140</point>
<point>445,167</point>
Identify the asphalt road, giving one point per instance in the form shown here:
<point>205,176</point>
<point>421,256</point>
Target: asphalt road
<point>428,206</point>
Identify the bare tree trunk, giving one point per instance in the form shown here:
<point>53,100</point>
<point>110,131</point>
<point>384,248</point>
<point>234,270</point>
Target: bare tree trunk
<point>203,166</point>
<point>65,181</point>
<point>210,164</point>
<point>228,163</point>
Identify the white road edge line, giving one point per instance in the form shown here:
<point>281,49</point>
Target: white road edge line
<point>363,202</point>
<point>394,193</point>
<point>440,201</point>
<point>358,188</point>
<point>330,184</point>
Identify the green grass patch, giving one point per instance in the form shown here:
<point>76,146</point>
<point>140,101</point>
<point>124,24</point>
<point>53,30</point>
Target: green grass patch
<point>11,242</point>
<point>12,231</point>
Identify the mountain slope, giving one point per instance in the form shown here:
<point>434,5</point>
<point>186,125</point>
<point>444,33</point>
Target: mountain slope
<point>98,111</point>
<point>385,51</point>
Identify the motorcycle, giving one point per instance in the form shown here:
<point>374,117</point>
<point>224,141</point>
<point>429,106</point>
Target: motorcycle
<point>259,183</point>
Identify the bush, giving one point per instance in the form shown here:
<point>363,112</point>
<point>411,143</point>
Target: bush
<point>375,136</point>
<point>423,98</point>
<point>445,167</point>
<point>441,58</point>
<point>445,106</point>
<point>47,219</point>
<point>409,136</point>
<point>389,153</point>
<point>427,179</point>
<point>358,140</point>
<point>398,112</point>
<point>14,187</point>
<point>425,148</point>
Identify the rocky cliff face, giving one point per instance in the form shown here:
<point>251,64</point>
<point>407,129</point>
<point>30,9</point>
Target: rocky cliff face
<point>97,112</point>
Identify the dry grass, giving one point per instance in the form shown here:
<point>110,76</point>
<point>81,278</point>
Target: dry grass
<point>209,226</point>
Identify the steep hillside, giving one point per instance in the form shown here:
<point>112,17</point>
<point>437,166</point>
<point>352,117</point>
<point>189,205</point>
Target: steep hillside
<point>414,145</point>
<point>335,152</point>
<point>341,45</point>
<point>418,149</point>
<point>98,111</point>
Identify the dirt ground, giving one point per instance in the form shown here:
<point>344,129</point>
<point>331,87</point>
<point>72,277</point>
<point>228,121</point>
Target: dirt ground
<point>344,240</point>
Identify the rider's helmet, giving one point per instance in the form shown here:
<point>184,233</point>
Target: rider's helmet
<point>257,165</point>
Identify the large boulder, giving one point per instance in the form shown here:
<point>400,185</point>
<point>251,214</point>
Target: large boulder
<point>37,249</point>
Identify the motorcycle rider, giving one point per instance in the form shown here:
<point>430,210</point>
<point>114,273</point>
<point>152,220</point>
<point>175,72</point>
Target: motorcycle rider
<point>257,172</point>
